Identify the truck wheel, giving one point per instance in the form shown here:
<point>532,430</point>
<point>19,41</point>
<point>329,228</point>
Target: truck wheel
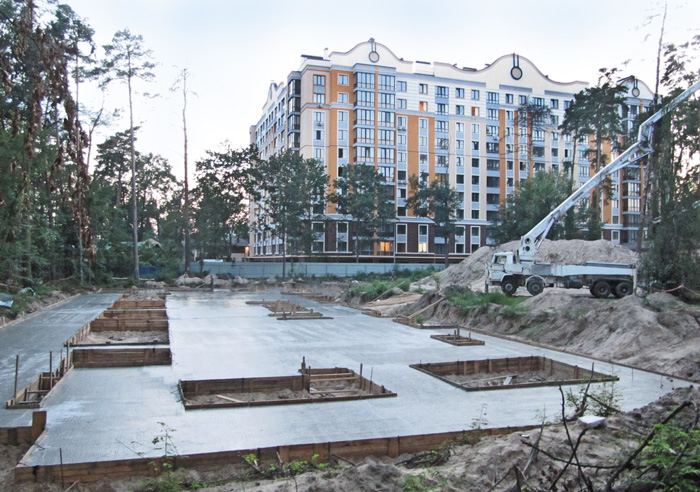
<point>623,289</point>
<point>535,286</point>
<point>601,289</point>
<point>509,286</point>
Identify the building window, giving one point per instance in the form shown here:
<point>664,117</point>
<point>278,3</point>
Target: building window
<point>441,91</point>
<point>492,97</point>
<point>402,155</point>
<point>475,145</point>
<point>422,141</point>
<point>459,127</point>
<point>491,131</point>
<point>583,171</point>
<point>442,160</point>
<point>475,180</point>
<point>509,98</point>
<point>423,123</point>
<point>401,86</point>
<point>538,101</point>
<point>538,135</point>
<point>555,137</point>
<point>319,81</point>
<point>401,120</point>
<point>423,88</point>
<point>386,100</point>
<point>342,237</point>
<point>386,137</point>
<point>475,111</point>
<point>423,106</point>
<point>460,163</point>
<point>493,182</point>
<point>442,143</point>
<point>342,79</point>
<point>343,97</point>
<point>423,159</point>
<point>492,147</point>
<point>459,109</point>
<point>319,99</point>
<point>364,98</point>
<point>442,108</point>
<point>493,165</point>
<point>475,197</point>
<point>460,144</point>
<point>364,80</point>
<point>386,82</point>
<point>402,140</point>
<point>475,128</point>
<point>475,94</point>
<point>554,103</point>
<point>555,119</point>
<point>522,100</point>
<point>555,152</point>
<point>402,104</point>
<point>459,93</point>
<point>492,114</point>
<point>460,179</point>
<point>342,134</point>
<point>475,162</point>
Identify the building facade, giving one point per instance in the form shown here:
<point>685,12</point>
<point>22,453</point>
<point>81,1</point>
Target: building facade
<point>459,125</point>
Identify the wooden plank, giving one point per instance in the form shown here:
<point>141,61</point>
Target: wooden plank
<point>229,399</point>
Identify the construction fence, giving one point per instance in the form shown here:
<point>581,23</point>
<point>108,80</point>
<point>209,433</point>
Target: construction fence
<point>274,269</point>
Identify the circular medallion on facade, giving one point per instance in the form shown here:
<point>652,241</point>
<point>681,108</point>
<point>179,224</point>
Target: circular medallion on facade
<point>516,73</point>
<point>635,92</point>
<point>373,56</point>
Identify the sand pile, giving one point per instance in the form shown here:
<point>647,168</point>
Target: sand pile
<point>472,271</point>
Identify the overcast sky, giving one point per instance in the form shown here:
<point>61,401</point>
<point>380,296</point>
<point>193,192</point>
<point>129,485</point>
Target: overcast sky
<point>233,49</point>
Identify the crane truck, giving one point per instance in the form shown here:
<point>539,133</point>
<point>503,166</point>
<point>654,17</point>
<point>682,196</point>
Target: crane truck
<point>511,270</point>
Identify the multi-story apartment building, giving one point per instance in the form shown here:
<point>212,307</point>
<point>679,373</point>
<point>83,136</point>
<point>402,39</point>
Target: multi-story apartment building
<point>460,125</point>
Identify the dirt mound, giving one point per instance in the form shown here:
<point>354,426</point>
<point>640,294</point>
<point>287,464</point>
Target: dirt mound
<point>472,271</point>
<point>657,332</point>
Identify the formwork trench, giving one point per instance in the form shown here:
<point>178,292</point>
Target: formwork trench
<point>310,386</point>
<point>510,373</point>
<point>458,338</point>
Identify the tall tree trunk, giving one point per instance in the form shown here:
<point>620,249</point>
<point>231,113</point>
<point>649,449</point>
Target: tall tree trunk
<point>186,212</point>
<point>133,184</point>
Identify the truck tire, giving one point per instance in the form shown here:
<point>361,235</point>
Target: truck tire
<point>623,289</point>
<point>535,286</point>
<point>601,289</point>
<point>509,286</point>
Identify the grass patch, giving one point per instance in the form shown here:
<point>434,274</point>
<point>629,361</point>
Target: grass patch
<point>466,299</point>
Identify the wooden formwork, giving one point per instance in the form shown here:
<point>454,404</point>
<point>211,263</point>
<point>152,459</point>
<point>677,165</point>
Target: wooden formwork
<point>32,395</point>
<point>324,452</point>
<point>110,324</point>
<point>194,388</point>
<point>140,314</point>
<point>120,357</point>
<point>566,374</point>
<point>147,304</point>
<point>14,436</point>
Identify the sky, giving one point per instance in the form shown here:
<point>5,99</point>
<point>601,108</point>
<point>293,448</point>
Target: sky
<point>234,49</point>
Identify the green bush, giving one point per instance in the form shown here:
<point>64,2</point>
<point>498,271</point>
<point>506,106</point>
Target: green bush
<point>466,299</point>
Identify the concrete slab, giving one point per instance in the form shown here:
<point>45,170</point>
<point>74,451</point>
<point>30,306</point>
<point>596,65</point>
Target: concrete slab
<point>108,414</point>
<point>33,338</point>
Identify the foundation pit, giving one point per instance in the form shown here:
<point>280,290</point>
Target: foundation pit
<point>311,386</point>
<point>510,373</point>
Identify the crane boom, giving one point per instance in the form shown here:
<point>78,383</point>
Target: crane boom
<point>530,242</point>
